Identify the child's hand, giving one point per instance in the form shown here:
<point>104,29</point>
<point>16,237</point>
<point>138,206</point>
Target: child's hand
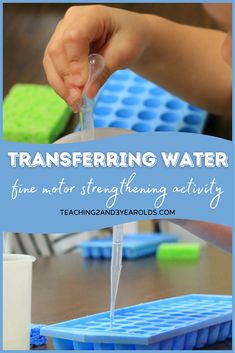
<point>180,58</point>
<point>120,36</point>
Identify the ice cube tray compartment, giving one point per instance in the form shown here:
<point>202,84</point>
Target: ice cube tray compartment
<point>187,322</point>
<point>134,246</point>
<point>131,102</point>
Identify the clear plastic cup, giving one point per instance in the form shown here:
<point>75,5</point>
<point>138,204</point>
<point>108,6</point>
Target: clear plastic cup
<point>98,134</point>
<point>17,292</point>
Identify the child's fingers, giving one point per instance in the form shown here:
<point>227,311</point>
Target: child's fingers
<point>118,53</point>
<point>78,38</point>
<point>58,58</point>
<point>60,62</point>
<point>114,59</point>
<point>74,92</point>
<point>98,83</point>
<point>68,50</point>
<point>77,50</point>
<point>57,83</point>
<point>55,50</point>
<point>53,78</point>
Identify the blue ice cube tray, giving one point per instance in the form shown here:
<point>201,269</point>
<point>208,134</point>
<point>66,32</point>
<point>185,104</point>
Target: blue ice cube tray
<point>185,323</point>
<point>131,102</point>
<point>134,246</point>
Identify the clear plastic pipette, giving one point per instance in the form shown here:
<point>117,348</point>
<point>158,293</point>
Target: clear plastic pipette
<point>96,66</point>
<point>116,267</point>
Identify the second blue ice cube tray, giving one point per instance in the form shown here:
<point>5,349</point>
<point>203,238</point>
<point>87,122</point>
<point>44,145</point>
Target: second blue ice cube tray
<point>184,323</point>
<point>131,102</point>
<point>134,246</point>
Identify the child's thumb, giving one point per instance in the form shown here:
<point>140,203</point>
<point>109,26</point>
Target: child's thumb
<point>99,81</point>
<point>114,59</point>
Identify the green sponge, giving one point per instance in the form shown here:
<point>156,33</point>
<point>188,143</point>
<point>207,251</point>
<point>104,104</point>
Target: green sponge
<point>33,114</point>
<point>178,251</point>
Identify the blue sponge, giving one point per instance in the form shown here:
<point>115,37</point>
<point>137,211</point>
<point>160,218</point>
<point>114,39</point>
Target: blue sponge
<point>36,339</point>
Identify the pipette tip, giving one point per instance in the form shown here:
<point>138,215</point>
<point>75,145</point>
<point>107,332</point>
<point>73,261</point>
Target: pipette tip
<point>111,318</point>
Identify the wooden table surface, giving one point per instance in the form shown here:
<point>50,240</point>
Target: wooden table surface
<point>28,27</point>
<point>67,287</point>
